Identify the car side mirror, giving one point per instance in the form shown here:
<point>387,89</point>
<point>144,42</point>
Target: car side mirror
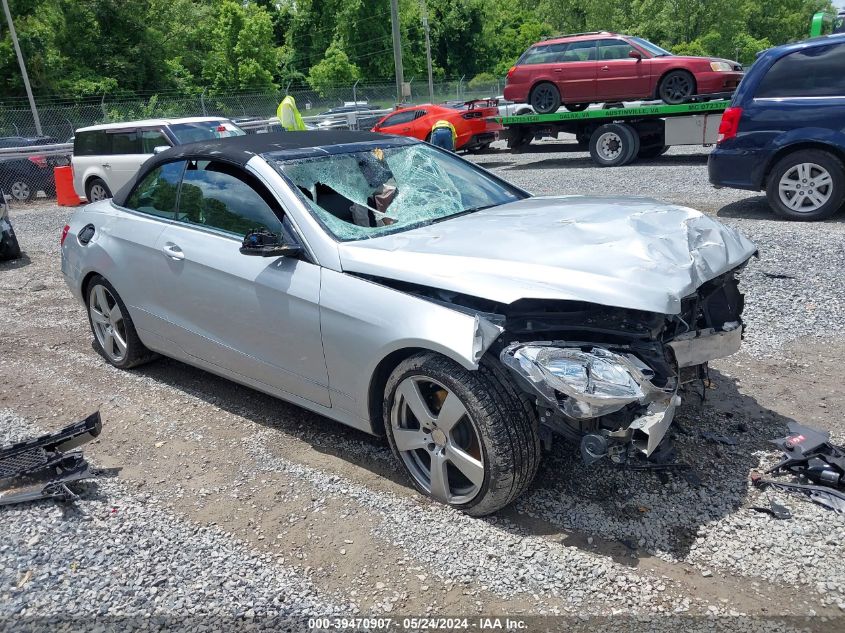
<point>635,55</point>
<point>263,243</point>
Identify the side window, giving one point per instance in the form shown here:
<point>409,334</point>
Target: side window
<point>94,143</point>
<point>125,143</point>
<point>814,72</point>
<point>614,49</point>
<point>225,198</point>
<point>399,118</point>
<point>156,193</point>
<point>543,54</point>
<point>580,52</point>
<point>150,139</point>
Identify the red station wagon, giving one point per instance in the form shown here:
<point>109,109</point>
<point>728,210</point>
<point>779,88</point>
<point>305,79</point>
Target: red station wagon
<point>576,70</point>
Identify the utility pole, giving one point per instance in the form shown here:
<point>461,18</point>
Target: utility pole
<point>23,68</point>
<point>397,48</point>
<point>427,51</point>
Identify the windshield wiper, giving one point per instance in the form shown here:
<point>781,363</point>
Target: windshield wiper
<point>465,212</point>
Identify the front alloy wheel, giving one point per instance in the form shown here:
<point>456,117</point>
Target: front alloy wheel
<point>464,437</point>
<point>21,191</point>
<point>437,441</point>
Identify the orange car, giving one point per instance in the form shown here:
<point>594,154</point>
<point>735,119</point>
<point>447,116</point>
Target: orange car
<point>471,120</point>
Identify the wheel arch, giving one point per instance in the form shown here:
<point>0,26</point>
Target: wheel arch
<point>798,146</point>
<point>542,80</point>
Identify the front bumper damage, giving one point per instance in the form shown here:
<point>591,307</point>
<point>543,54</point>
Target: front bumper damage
<point>614,399</point>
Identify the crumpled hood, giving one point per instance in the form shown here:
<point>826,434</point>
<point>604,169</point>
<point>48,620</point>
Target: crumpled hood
<point>633,253</point>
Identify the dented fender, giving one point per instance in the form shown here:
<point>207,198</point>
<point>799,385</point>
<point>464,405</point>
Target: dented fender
<point>363,322</point>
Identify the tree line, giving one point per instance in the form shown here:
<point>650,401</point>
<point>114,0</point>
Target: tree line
<point>79,48</point>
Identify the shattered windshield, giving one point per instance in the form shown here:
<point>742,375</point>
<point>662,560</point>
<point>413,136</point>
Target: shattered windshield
<point>380,190</point>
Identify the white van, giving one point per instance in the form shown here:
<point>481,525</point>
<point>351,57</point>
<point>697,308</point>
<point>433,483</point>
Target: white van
<point>105,157</point>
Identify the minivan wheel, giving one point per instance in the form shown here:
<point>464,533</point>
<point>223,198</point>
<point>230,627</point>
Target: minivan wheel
<point>464,437</point>
<point>97,190</point>
<point>806,185</point>
<point>545,98</point>
<point>676,87</point>
<point>115,338</point>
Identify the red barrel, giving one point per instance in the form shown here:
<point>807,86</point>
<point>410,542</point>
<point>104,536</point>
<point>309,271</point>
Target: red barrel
<point>65,193</point>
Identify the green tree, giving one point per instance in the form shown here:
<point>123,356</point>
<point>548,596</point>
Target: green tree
<point>335,68</point>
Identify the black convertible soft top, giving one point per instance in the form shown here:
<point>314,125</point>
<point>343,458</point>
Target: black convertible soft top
<point>239,150</point>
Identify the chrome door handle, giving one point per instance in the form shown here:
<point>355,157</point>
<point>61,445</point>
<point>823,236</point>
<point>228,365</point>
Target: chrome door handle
<point>172,251</point>
<point>558,70</point>
<point>106,165</point>
<point>605,67</point>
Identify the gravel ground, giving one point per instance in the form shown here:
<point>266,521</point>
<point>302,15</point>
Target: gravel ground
<point>230,501</point>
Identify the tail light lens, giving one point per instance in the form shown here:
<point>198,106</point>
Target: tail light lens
<point>730,124</point>
<point>511,71</point>
<point>41,161</point>
<point>64,234</point>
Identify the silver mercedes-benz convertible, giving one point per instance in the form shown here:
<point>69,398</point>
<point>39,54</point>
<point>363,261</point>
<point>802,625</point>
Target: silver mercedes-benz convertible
<point>402,290</point>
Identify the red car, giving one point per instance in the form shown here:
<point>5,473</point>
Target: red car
<point>471,121</point>
<point>576,70</point>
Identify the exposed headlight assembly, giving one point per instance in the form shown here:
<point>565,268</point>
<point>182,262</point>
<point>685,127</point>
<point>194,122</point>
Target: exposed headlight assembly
<point>595,382</point>
<point>720,67</point>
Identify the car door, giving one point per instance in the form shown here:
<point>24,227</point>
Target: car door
<point>620,76</point>
<point>575,72</point>
<point>399,123</point>
<point>252,316</point>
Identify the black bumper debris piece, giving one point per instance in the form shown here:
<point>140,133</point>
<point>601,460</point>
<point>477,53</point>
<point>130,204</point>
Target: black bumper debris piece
<point>41,467</point>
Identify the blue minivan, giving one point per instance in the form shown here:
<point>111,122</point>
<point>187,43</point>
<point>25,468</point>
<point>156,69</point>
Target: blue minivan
<point>785,130</point>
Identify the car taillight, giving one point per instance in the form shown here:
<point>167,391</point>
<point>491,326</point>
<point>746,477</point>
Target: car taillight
<point>41,161</point>
<point>730,124</point>
<point>511,71</point>
<point>472,114</point>
<point>64,234</point>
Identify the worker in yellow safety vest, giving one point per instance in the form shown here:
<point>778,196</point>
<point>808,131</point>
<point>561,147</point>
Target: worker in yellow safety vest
<point>443,135</point>
<point>289,116</point>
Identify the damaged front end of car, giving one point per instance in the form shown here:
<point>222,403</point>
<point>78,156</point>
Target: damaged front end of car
<point>609,378</point>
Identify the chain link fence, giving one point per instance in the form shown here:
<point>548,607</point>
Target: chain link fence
<point>26,172</point>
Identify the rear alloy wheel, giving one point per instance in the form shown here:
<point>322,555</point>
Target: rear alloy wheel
<point>545,98</point>
<point>676,87</point>
<point>576,107</point>
<point>807,185</point>
<point>97,190</point>
<point>464,437</point>
<point>115,337</point>
<point>614,144</point>
<point>21,191</point>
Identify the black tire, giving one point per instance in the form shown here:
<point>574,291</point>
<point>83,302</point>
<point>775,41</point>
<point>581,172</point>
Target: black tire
<point>614,144</point>
<point>504,423</point>
<point>96,182</point>
<point>652,151</point>
<point>523,111</point>
<point>9,246</point>
<point>136,353</point>
<point>792,164</point>
<point>545,98</point>
<point>676,87</point>
<point>576,107</point>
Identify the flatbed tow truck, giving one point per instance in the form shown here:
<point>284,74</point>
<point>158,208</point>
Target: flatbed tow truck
<point>619,135</point>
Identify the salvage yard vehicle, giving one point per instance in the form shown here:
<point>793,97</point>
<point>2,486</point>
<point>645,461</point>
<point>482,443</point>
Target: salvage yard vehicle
<point>473,121</point>
<point>105,157</point>
<point>785,130</point>
<point>399,289</point>
<point>583,68</point>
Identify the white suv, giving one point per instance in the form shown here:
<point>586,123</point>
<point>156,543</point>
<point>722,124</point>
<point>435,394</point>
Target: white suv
<point>105,157</point>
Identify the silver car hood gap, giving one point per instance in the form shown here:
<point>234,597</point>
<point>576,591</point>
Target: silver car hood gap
<point>634,253</point>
